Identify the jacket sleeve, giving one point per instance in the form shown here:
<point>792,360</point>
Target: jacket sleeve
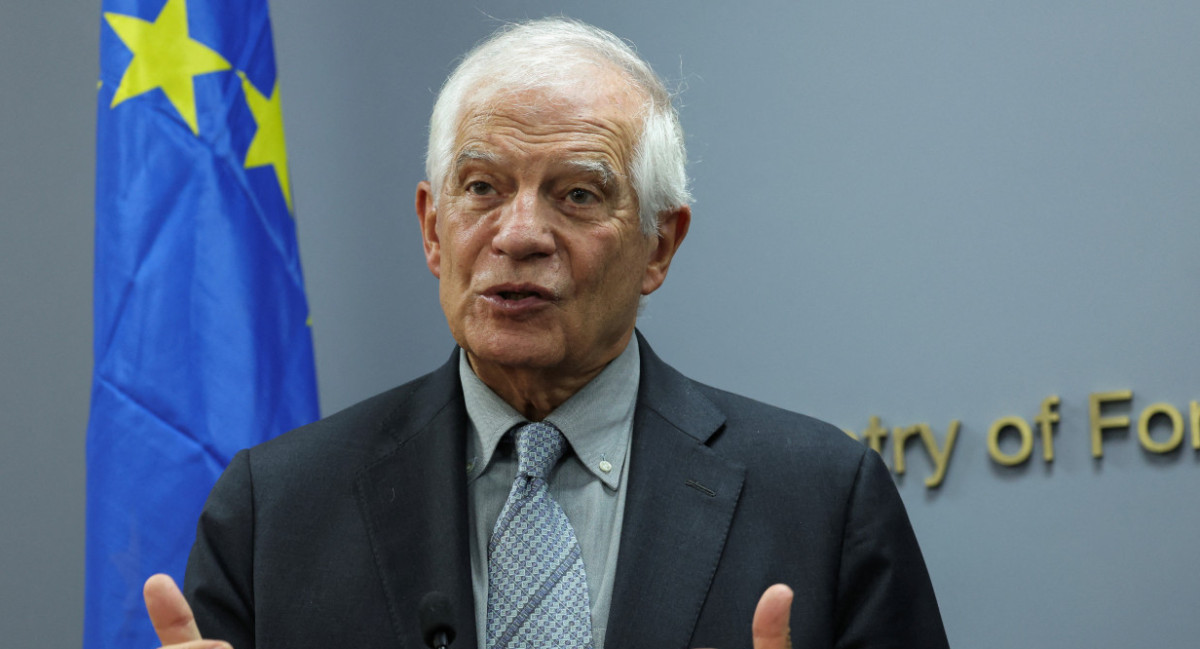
<point>218,583</point>
<point>884,595</point>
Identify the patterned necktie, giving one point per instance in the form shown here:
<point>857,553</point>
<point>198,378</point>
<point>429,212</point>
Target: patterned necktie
<point>537,590</point>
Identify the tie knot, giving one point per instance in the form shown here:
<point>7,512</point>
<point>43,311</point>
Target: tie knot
<point>539,447</point>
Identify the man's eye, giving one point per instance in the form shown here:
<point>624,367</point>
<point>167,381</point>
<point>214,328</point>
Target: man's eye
<point>581,197</point>
<point>479,188</point>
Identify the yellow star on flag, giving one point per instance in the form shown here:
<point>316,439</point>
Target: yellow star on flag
<point>164,56</point>
<point>268,146</point>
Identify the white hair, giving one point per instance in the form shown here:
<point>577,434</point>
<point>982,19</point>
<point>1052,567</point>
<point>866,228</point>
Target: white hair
<point>548,53</point>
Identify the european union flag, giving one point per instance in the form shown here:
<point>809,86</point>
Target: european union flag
<point>202,345</point>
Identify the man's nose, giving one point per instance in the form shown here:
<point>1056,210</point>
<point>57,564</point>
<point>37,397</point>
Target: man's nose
<point>525,229</point>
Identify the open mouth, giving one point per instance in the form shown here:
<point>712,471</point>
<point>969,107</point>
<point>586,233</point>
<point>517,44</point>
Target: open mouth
<point>517,295</point>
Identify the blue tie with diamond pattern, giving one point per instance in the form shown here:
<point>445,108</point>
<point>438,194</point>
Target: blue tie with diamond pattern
<point>537,589</point>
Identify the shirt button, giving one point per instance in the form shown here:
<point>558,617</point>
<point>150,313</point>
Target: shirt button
<point>605,466</point>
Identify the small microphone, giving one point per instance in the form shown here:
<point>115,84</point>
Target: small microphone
<point>437,619</point>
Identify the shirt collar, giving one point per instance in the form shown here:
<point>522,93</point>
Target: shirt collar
<point>597,421</point>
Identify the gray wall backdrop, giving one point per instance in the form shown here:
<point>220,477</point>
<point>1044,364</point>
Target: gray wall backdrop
<point>926,211</point>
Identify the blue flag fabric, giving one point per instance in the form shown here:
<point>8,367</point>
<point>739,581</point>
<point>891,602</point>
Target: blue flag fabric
<point>202,345</point>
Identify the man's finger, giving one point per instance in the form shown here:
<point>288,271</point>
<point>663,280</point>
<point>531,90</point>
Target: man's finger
<point>770,626</point>
<point>169,611</point>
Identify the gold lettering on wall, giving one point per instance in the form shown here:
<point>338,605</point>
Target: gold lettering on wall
<point>993,440</point>
<point>941,457</point>
<point>1099,424</point>
<point>875,434</point>
<point>1195,405</point>
<point>1046,423</point>
<point>1046,419</point>
<point>900,436</point>
<point>1152,411</point>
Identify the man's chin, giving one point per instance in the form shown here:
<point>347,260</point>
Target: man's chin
<point>539,351</point>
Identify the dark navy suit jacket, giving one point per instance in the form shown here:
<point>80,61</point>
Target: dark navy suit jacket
<point>329,536</point>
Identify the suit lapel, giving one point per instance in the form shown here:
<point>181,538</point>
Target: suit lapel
<point>681,500</point>
<point>414,502</point>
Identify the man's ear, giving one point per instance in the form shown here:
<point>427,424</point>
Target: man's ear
<point>427,215</point>
<point>673,226</point>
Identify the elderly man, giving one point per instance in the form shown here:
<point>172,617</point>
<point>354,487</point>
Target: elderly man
<point>556,480</point>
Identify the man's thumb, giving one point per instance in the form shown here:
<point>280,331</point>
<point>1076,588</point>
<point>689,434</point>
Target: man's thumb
<point>771,619</point>
<point>169,611</point>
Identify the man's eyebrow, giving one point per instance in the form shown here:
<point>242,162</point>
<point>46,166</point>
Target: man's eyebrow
<point>474,155</point>
<point>595,166</point>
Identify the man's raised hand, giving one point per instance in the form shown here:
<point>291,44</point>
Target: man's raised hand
<point>770,627</point>
<point>172,617</point>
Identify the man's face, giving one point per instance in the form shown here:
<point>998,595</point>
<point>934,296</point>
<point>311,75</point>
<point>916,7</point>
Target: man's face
<point>535,238</point>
